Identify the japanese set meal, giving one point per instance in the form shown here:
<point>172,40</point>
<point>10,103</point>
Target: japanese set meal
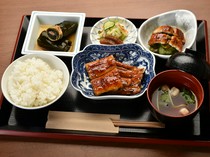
<point>56,38</point>
<point>114,66</point>
<point>34,83</point>
<point>166,40</point>
<point>141,79</point>
<point>110,76</point>
<point>174,101</point>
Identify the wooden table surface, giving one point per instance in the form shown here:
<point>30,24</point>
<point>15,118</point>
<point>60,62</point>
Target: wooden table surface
<point>11,13</point>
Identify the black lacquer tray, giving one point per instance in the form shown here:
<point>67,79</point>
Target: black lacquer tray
<point>23,123</point>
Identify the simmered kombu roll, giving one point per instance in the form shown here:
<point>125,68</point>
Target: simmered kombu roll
<point>61,30</point>
<point>61,45</point>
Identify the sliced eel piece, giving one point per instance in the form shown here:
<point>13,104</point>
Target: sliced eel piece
<point>110,81</point>
<point>178,33</point>
<point>100,67</point>
<point>138,75</point>
<point>128,90</point>
<point>176,43</point>
<point>110,40</point>
<point>126,81</point>
<point>123,65</point>
<point>132,73</point>
<point>159,39</point>
<point>165,29</point>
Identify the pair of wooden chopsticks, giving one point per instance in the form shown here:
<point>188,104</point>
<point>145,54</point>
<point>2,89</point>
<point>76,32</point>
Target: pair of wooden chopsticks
<point>139,124</point>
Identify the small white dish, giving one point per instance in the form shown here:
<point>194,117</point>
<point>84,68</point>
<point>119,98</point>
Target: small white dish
<point>54,62</point>
<point>182,19</point>
<point>39,18</point>
<point>129,26</point>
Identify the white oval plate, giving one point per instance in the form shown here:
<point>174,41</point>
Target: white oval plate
<point>182,19</point>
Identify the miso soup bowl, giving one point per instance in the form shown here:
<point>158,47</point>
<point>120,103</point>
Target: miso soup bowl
<point>179,79</point>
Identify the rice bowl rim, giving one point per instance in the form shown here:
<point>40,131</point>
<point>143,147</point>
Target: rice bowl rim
<point>53,61</point>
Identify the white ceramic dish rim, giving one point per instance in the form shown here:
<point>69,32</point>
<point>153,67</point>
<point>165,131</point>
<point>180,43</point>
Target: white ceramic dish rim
<point>24,57</point>
<point>156,16</point>
<point>81,16</point>
<point>100,22</point>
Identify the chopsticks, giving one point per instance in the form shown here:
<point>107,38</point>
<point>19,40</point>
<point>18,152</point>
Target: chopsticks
<point>139,124</point>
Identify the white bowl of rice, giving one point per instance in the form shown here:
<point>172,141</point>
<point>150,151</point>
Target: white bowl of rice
<point>35,81</point>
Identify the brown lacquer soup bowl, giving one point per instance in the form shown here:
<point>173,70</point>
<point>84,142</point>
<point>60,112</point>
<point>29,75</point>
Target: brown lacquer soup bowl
<point>175,96</point>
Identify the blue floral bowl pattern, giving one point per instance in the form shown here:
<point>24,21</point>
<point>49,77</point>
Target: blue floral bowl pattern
<point>132,54</point>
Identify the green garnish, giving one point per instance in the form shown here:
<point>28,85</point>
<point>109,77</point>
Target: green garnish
<point>166,50</point>
<point>163,49</point>
<point>113,28</point>
<point>188,96</point>
<point>108,25</point>
<point>164,97</point>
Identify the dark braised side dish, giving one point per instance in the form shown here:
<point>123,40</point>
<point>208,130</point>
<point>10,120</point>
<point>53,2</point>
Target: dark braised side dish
<point>109,76</point>
<point>166,40</point>
<point>55,37</point>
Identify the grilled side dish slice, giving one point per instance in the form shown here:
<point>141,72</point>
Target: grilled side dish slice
<point>166,40</point>
<point>176,43</point>
<point>159,39</point>
<point>164,29</point>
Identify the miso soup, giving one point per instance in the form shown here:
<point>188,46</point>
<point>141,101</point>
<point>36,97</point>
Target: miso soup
<point>174,101</point>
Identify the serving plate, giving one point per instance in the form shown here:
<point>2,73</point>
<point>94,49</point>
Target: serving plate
<point>23,123</point>
<point>182,19</point>
<point>131,54</point>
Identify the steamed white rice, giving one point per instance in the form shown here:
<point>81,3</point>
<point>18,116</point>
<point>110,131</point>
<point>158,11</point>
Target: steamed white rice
<point>34,83</point>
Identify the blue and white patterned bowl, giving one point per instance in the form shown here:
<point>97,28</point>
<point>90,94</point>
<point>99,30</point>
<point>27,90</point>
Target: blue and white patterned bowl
<point>132,54</point>
<point>130,27</point>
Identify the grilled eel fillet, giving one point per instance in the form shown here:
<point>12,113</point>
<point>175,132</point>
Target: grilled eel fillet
<point>100,67</point>
<point>131,77</point>
<point>110,81</point>
<point>110,76</point>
